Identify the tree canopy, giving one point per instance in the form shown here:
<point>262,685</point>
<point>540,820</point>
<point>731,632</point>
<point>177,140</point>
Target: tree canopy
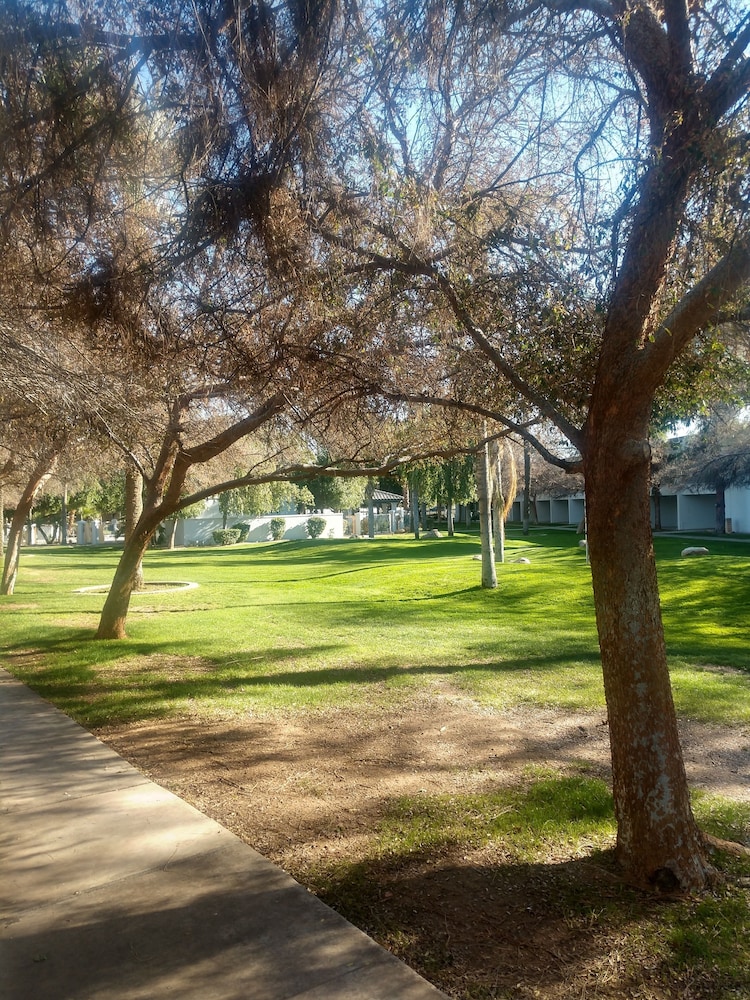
<point>328,222</point>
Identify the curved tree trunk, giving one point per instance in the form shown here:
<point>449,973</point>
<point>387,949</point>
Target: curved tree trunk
<point>658,841</point>
<point>449,500</point>
<point>133,512</point>
<point>115,611</point>
<point>40,475</point>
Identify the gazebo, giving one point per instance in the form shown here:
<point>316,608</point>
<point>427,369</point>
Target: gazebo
<point>382,498</point>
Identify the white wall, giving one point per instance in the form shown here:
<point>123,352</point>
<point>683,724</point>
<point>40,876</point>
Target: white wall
<point>199,530</point>
<point>558,511</point>
<point>738,508</point>
<point>696,511</point>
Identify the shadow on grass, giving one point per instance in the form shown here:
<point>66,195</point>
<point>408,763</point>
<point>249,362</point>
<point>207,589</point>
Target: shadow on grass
<point>111,683</point>
<point>470,916</point>
<point>395,549</point>
<point>522,930</point>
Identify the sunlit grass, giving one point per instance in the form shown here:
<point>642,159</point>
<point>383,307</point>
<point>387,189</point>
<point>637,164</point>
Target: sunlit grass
<point>303,625</point>
<point>552,814</point>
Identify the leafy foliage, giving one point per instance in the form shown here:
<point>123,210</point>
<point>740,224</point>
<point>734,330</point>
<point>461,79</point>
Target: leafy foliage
<point>226,536</point>
<point>315,526</point>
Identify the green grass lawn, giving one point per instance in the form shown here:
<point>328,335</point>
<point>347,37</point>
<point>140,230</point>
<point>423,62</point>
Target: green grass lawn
<point>302,624</point>
<point>310,625</point>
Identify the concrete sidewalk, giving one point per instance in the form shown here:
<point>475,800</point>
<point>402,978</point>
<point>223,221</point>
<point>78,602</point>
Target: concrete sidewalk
<point>112,887</point>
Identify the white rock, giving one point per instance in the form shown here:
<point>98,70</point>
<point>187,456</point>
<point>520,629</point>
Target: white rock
<point>694,550</point>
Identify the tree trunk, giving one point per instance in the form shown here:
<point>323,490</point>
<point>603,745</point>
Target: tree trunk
<point>2,521</point>
<point>721,509</point>
<point>656,497</point>
<point>41,474</point>
<point>370,516</point>
<point>449,511</point>
<point>414,505</point>
<point>484,494</point>
<point>133,512</point>
<point>658,842</point>
<point>115,611</point>
<point>526,513</point>
<point>172,534</point>
<point>64,516</point>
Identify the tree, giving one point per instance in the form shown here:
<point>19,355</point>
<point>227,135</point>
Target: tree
<point>44,462</point>
<point>458,485</point>
<point>170,531</point>
<point>420,173</point>
<point>578,272</point>
<point>336,494</point>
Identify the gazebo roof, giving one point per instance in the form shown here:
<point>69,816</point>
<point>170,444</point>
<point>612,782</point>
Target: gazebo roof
<point>385,497</point>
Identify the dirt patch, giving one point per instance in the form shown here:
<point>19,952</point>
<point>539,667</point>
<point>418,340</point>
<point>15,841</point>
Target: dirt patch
<point>307,791</point>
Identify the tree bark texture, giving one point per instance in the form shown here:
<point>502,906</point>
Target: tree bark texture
<point>526,512</point>
<point>658,842</point>
<point>414,505</point>
<point>721,509</point>
<point>64,516</point>
<point>42,472</point>
<point>484,495</point>
<point>133,512</point>
<point>115,611</point>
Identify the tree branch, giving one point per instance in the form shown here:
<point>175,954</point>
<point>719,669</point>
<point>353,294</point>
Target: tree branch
<point>699,308</point>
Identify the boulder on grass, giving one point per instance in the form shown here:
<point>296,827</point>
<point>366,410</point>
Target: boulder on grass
<point>694,550</point>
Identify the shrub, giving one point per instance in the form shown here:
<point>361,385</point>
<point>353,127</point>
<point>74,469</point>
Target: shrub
<point>315,526</point>
<point>244,530</point>
<point>278,527</point>
<point>226,536</point>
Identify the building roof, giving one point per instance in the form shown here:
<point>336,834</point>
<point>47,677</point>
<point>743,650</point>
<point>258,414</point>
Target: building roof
<point>385,497</point>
